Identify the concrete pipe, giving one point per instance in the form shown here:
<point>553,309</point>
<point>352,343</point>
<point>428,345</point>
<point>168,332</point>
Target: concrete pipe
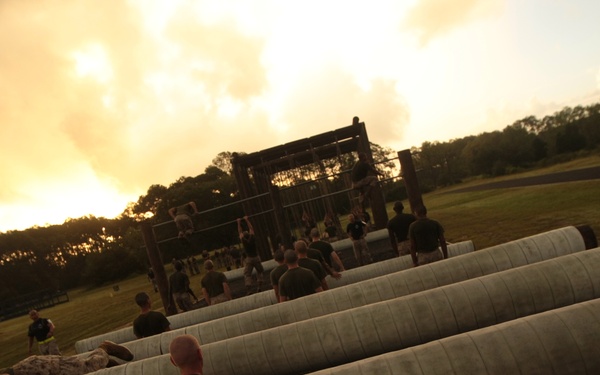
<point>408,321</point>
<point>265,298</point>
<point>240,310</point>
<point>554,243</point>
<point>497,258</point>
<point>387,287</point>
<point>360,333</point>
<point>561,341</point>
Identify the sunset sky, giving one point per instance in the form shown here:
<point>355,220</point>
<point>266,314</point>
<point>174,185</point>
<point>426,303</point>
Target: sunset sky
<point>101,99</point>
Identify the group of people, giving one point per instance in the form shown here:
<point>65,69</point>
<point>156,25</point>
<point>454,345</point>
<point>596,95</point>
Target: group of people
<point>185,350</point>
<point>215,287</point>
<point>185,354</point>
<point>417,235</point>
<point>303,270</point>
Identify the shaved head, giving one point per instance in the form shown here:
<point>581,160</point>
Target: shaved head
<point>186,354</point>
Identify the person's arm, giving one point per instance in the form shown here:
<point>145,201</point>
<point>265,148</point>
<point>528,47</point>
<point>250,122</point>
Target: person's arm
<point>51,329</point>
<point>194,208</point>
<point>170,296</point>
<point>443,245</point>
<point>206,296</point>
<point>250,228</point>
<point>319,289</point>
<point>284,298</point>
<point>276,290</point>
<point>375,170</point>
<point>330,271</point>
<point>240,230</point>
<point>324,285</point>
<point>30,344</point>
<point>227,290</point>
<point>172,212</point>
<point>136,331</point>
<point>365,230</point>
<point>393,241</point>
<point>413,252</point>
<point>337,260</point>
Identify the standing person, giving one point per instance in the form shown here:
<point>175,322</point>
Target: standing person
<point>311,264</point>
<point>236,256</point>
<point>331,227</point>
<point>398,229</point>
<point>364,178</point>
<point>186,355</point>
<point>215,287</point>
<point>426,237</point>
<point>227,258</point>
<point>309,223</point>
<point>357,231</point>
<point>43,331</point>
<point>73,365</point>
<point>152,279</point>
<point>179,286</point>
<point>297,281</point>
<point>326,250</point>
<point>252,259</point>
<point>190,267</point>
<point>148,323</point>
<point>278,271</point>
<point>183,218</point>
<point>195,265</point>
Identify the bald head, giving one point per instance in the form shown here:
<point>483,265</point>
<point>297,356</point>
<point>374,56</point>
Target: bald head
<point>186,354</point>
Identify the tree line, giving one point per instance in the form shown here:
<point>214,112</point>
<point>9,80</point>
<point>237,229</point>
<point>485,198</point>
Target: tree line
<point>91,251</point>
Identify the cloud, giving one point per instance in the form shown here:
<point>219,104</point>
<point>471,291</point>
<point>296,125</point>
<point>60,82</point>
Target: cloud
<point>327,98</point>
<point>98,102</point>
<point>430,19</point>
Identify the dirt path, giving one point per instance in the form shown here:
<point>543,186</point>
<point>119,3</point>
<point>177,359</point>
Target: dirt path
<point>591,173</point>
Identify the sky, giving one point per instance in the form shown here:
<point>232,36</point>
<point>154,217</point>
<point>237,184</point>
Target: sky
<point>99,100</point>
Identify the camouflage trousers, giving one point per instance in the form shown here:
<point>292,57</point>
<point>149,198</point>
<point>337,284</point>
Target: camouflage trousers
<point>404,248</point>
<point>361,251</point>
<point>59,365</point>
<point>434,256</point>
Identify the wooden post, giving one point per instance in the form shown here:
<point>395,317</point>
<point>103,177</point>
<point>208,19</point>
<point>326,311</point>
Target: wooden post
<point>157,266</point>
<point>409,176</point>
<point>380,217</point>
<point>283,227</point>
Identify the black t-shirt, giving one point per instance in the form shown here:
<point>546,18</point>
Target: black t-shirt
<point>360,170</point>
<point>150,324</point>
<point>298,282</point>
<point>250,246</point>
<point>313,265</point>
<point>324,248</point>
<point>276,273</point>
<point>355,229</point>
<point>179,282</point>
<point>39,329</point>
<point>399,225</point>
<point>213,282</point>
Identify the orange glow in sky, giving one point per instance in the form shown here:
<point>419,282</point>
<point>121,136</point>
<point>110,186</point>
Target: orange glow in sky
<point>99,100</point>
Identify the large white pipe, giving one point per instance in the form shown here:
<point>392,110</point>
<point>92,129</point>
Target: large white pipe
<point>400,323</point>
<point>498,258</point>
<point>555,242</point>
<point>560,341</point>
<point>265,298</point>
<point>408,321</point>
<point>413,280</point>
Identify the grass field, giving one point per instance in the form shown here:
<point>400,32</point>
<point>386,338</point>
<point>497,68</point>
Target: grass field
<point>487,217</point>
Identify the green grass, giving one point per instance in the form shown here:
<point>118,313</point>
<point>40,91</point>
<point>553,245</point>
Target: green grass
<point>487,217</point>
